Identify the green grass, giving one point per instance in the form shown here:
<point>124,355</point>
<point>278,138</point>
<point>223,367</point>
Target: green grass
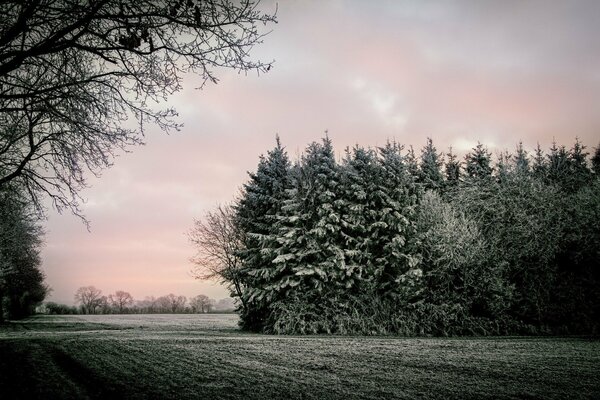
<point>206,357</point>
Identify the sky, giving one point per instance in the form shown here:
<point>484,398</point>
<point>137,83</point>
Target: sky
<point>366,72</point>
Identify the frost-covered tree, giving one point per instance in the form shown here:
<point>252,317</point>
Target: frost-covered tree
<point>392,231</point>
<point>452,169</point>
<point>521,221</point>
<point>256,214</point>
<point>580,173</point>
<point>558,164</point>
<point>358,175</point>
<point>219,241</point>
<point>305,246</point>
<point>90,298</point>
<point>539,166</point>
<point>596,161</point>
<point>430,167</point>
<point>521,160</point>
<point>120,301</point>
<point>459,279</point>
<point>478,162</point>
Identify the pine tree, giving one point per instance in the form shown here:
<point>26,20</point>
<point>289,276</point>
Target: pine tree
<point>521,160</point>
<point>559,167</point>
<point>256,213</point>
<point>580,173</point>
<point>393,230</point>
<point>305,244</point>
<point>503,166</point>
<point>357,183</point>
<point>452,169</point>
<point>410,161</point>
<point>478,162</point>
<point>596,161</point>
<point>430,174</point>
<point>539,167</point>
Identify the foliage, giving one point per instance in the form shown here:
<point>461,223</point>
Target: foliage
<point>22,285</point>
<point>380,243</point>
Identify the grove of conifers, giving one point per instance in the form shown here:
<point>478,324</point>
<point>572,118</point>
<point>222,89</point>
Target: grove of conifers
<point>386,241</point>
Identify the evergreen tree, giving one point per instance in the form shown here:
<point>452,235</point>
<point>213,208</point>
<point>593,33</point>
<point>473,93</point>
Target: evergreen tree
<point>393,231</point>
<point>539,167</point>
<point>478,162</point>
<point>359,172</point>
<point>558,165</point>
<point>452,169</point>
<point>521,160</point>
<point>305,244</point>
<point>430,173</point>
<point>410,161</point>
<point>580,173</point>
<point>256,213</point>
<point>503,166</point>
<point>596,161</point>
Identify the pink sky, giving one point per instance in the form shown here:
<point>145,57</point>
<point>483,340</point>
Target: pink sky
<point>459,72</point>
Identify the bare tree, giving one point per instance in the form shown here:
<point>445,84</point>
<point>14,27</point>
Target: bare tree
<point>171,303</point>
<point>120,301</point>
<point>81,80</point>
<point>218,242</point>
<point>202,304</point>
<point>90,298</point>
<point>163,304</point>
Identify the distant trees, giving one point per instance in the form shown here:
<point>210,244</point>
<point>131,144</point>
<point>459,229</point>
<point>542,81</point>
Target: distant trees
<point>91,301</point>
<point>120,300</point>
<point>90,298</point>
<point>385,243</point>
<point>202,304</point>
<point>53,308</point>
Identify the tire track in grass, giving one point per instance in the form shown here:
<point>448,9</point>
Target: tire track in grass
<point>91,384</point>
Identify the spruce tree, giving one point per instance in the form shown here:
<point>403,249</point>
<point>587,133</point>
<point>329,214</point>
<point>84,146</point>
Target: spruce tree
<point>503,166</point>
<point>358,174</point>
<point>559,166</point>
<point>539,167</point>
<point>478,162</point>
<point>305,243</point>
<point>596,161</point>
<point>256,213</point>
<point>452,169</point>
<point>430,174</point>
<point>580,173</point>
<point>393,231</point>
<point>521,160</point>
<point>411,163</point>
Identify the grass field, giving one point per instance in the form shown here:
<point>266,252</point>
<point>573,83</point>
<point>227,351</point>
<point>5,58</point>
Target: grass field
<point>206,357</point>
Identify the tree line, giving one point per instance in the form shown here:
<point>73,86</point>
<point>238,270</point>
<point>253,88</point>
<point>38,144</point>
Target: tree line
<point>386,240</point>
<point>90,300</point>
<point>79,83</point>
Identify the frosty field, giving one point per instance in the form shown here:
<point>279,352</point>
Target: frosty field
<point>207,357</point>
